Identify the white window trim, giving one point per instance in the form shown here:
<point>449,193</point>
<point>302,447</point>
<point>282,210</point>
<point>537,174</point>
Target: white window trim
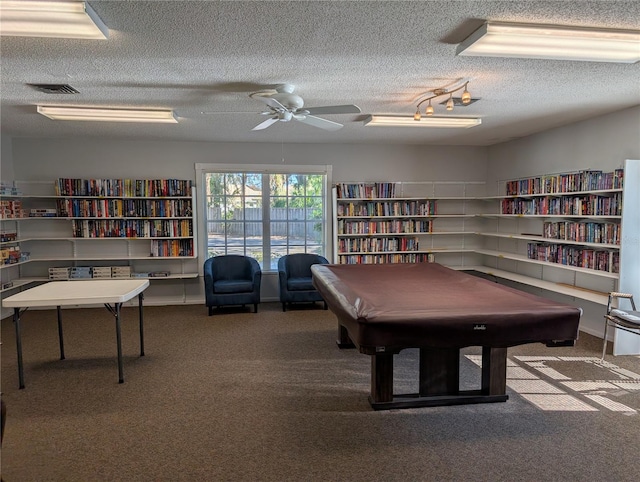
<point>203,168</point>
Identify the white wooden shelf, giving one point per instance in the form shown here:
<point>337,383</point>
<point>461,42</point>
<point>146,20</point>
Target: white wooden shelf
<point>431,233</point>
<point>421,251</point>
<point>542,239</point>
<point>583,294</point>
<point>407,216</point>
<point>544,216</point>
<point>603,192</point>
<point>524,259</point>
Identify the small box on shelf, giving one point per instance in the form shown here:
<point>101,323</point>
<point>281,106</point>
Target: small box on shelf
<point>8,236</point>
<point>121,271</point>
<point>101,272</point>
<point>58,273</point>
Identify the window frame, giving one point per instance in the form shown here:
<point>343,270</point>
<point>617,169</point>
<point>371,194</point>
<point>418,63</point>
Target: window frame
<point>206,168</point>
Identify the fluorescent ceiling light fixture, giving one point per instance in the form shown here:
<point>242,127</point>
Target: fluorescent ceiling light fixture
<point>107,114</point>
<point>556,42</point>
<point>409,121</point>
<point>61,19</point>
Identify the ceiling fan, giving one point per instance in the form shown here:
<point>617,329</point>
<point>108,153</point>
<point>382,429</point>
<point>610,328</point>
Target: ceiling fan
<point>283,105</point>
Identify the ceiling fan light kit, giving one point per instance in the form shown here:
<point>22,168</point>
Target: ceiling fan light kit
<point>409,121</point>
<point>58,19</point>
<point>107,114</point>
<point>555,42</point>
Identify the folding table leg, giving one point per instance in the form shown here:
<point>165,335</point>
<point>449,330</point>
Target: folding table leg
<point>16,321</point>
<point>60,338</point>
<point>140,298</point>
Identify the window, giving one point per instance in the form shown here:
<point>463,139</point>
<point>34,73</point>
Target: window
<point>265,215</point>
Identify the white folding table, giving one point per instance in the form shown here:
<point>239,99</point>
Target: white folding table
<point>112,293</point>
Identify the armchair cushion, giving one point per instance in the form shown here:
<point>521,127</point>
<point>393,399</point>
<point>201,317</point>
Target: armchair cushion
<point>232,286</point>
<point>300,284</point>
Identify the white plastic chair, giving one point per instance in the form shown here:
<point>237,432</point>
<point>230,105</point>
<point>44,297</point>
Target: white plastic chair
<point>621,319</point>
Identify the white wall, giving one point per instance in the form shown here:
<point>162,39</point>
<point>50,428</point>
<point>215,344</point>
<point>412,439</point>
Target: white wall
<point>6,158</point>
<point>47,159</point>
<point>600,143</point>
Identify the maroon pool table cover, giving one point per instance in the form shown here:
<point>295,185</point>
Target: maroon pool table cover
<point>401,306</point>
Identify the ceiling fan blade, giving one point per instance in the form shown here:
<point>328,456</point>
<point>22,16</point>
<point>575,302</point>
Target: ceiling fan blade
<point>265,124</point>
<point>270,101</point>
<point>319,122</point>
<point>334,109</point>
<point>208,112</point>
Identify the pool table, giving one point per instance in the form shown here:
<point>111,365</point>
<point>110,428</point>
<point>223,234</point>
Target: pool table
<point>383,309</point>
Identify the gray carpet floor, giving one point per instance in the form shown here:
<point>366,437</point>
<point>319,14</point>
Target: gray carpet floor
<point>240,396</point>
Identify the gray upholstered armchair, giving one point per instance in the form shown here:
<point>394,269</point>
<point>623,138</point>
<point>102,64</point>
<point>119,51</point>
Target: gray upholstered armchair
<point>232,280</point>
<point>294,272</point>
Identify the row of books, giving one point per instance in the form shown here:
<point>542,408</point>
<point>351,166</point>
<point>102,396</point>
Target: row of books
<point>89,272</point>
<point>386,208</point>
<point>138,228</point>
<point>588,180</point>
<point>599,260</point>
<point>123,187</point>
<point>366,190</point>
<point>374,245</point>
<point>393,226</point>
<point>110,208</point>
<point>584,232</point>
<point>172,247</point>
<point>584,205</point>
<point>12,210</point>
<point>387,258</point>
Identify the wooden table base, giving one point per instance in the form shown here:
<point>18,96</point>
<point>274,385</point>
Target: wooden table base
<point>439,380</point>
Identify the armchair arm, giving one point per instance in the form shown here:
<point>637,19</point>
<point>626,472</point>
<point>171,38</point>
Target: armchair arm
<point>256,273</point>
<point>282,277</point>
<point>208,275</point>
<point>615,295</point>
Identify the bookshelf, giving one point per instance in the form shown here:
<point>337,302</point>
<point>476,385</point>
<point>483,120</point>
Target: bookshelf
<point>406,222</point>
<point>145,227</point>
<point>574,234</point>
<point>554,221</point>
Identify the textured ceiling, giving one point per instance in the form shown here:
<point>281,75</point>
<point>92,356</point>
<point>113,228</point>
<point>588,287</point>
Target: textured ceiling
<point>208,56</point>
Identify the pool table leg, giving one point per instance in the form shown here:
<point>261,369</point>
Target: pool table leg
<point>381,378</point>
<point>494,371</point>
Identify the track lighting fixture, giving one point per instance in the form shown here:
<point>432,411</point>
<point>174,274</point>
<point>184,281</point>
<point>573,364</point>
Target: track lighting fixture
<point>465,99</point>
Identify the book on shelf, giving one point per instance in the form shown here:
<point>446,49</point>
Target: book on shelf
<point>599,260</point>
<point>587,180</point>
<point>364,190</point>
<point>123,187</point>
<point>43,213</point>
<point>383,258</point>
<point>8,236</point>
<point>387,208</point>
<point>579,205</point>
